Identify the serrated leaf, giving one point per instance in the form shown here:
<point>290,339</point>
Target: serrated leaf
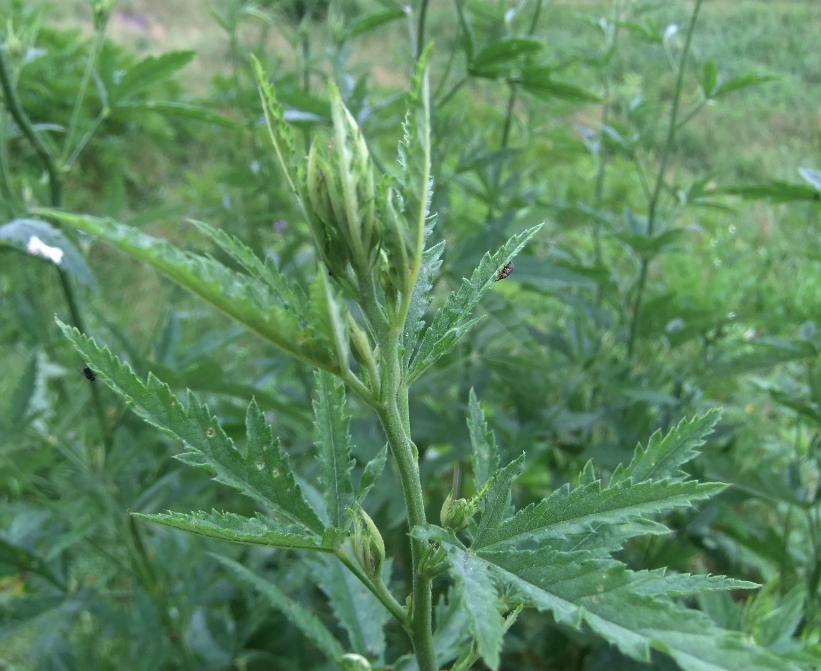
<point>328,315</point>
<point>600,595</point>
<point>664,455</point>
<point>496,499</point>
<point>243,298</point>
<point>264,271</point>
<point>264,457</point>
<point>147,72</point>
<point>485,452</point>
<point>356,609</point>
<point>19,233</point>
<point>453,320</point>
<point>659,582</point>
<point>568,512</point>
<point>334,448</point>
<point>308,623</point>
<point>263,474</point>
<point>238,529</point>
<point>414,157</point>
<point>420,299</point>
<point>280,132</point>
<point>371,474</point>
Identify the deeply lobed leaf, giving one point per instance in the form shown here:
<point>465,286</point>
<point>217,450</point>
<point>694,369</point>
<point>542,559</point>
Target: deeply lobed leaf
<point>420,299</point>
<point>485,452</point>
<point>263,473</point>
<point>453,320</point>
<point>569,512</point>
<point>609,599</point>
<point>665,455</point>
<point>238,529</point>
<point>243,298</point>
<point>264,271</point>
<point>333,448</point>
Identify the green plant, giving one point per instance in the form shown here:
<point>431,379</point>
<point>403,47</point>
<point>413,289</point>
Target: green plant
<point>361,322</point>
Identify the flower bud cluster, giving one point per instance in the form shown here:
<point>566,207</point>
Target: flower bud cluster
<point>457,513</point>
<point>367,544</point>
<point>339,197</point>
<point>358,224</point>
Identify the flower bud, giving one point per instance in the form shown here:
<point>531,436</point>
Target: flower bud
<point>353,662</point>
<point>456,514</point>
<point>361,348</point>
<point>341,193</point>
<point>368,546</point>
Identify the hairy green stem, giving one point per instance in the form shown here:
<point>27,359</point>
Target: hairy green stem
<point>391,408</point>
<point>665,157</point>
<point>376,587</point>
<point>405,454</point>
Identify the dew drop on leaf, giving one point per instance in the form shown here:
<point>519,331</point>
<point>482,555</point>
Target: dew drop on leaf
<point>210,432</point>
<point>275,472</point>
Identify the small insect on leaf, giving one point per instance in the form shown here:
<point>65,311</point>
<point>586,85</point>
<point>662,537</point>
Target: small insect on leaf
<point>505,272</point>
<point>90,374</point>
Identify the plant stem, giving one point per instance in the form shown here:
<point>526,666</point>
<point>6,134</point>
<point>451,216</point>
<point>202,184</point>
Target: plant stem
<point>406,455</point>
<point>377,588</point>
<point>511,104</point>
<point>665,157</point>
<point>55,181</point>
<point>420,32</point>
<point>444,101</point>
<point>56,197</point>
<point>603,156</point>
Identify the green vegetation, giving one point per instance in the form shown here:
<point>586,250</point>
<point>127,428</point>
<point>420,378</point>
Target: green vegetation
<point>356,336</point>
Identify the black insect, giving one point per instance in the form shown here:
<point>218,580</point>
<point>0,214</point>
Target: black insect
<point>90,374</point>
<point>505,272</point>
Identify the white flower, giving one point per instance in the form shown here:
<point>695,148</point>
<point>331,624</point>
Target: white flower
<point>36,247</point>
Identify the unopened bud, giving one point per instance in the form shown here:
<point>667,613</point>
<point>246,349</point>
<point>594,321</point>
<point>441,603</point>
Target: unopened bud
<point>456,514</point>
<point>353,662</point>
<point>340,192</point>
<point>360,344</point>
<point>368,546</point>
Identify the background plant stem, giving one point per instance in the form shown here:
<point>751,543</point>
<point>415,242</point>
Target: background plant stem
<point>56,196</point>
<point>665,157</point>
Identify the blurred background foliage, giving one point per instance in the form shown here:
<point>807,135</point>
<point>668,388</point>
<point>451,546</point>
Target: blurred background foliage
<point>677,271</point>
